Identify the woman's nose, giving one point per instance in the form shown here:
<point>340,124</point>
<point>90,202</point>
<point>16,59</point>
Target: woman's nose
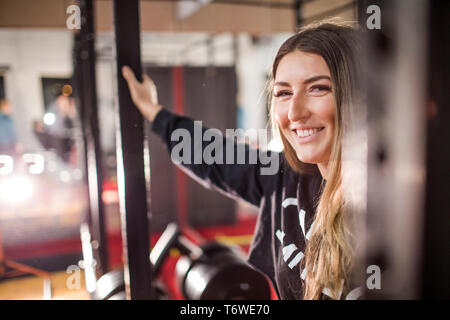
<point>298,109</point>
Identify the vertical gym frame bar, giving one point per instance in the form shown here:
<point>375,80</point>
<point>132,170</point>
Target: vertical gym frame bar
<point>436,263</point>
<point>298,14</point>
<point>133,175</point>
<point>408,137</point>
<point>86,95</point>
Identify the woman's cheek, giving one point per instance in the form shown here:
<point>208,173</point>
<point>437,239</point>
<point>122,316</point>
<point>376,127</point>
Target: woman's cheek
<point>281,116</point>
<point>325,109</point>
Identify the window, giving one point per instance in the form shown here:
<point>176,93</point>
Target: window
<point>2,87</point>
<point>54,87</point>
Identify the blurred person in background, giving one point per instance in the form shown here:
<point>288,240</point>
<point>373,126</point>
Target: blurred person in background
<point>58,129</point>
<point>8,137</point>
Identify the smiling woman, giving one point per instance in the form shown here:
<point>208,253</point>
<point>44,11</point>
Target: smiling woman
<point>315,76</point>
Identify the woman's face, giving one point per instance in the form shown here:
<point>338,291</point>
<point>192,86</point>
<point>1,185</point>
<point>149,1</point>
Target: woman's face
<point>304,106</point>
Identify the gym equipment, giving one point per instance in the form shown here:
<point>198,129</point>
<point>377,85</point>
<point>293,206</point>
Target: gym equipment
<point>220,273</point>
<point>86,99</point>
<point>212,271</point>
<point>133,176</point>
<point>111,286</point>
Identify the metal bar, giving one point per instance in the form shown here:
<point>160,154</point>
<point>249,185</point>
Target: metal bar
<point>267,4</point>
<point>85,228</point>
<point>408,145</point>
<point>374,57</point>
<point>86,82</point>
<point>89,263</point>
<point>298,13</point>
<point>181,178</point>
<point>436,256</point>
<point>166,241</point>
<point>396,143</point>
<point>132,157</point>
<point>47,289</point>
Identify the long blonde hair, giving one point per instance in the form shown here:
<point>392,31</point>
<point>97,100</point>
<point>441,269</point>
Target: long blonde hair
<point>329,251</point>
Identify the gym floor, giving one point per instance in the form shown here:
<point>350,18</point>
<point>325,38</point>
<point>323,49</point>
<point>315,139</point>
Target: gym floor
<point>32,288</point>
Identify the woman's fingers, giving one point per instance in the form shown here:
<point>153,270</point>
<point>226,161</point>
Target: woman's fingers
<point>151,85</point>
<point>143,93</point>
<point>128,74</point>
<point>147,78</point>
<point>135,87</point>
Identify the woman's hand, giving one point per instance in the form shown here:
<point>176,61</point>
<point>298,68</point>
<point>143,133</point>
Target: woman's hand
<point>143,93</point>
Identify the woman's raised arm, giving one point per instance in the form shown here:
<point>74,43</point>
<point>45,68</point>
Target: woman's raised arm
<point>227,167</point>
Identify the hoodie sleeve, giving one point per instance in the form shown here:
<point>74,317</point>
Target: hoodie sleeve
<point>211,159</point>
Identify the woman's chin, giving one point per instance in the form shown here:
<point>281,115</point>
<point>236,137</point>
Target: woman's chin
<point>306,159</point>
<point>311,159</point>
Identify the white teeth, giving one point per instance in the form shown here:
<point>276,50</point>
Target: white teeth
<point>307,133</point>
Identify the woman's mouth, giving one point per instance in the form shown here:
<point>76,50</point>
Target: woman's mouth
<point>307,135</point>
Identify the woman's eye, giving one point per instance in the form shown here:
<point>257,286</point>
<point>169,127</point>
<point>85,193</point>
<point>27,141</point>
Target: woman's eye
<point>281,94</point>
<point>319,89</point>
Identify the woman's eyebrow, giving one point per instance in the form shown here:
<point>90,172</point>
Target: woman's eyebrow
<point>281,83</point>
<point>315,78</point>
<point>307,81</point>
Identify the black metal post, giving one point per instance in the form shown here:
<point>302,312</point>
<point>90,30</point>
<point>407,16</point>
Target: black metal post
<point>132,157</point>
<point>298,14</point>
<point>395,68</point>
<point>85,81</point>
<point>436,263</point>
